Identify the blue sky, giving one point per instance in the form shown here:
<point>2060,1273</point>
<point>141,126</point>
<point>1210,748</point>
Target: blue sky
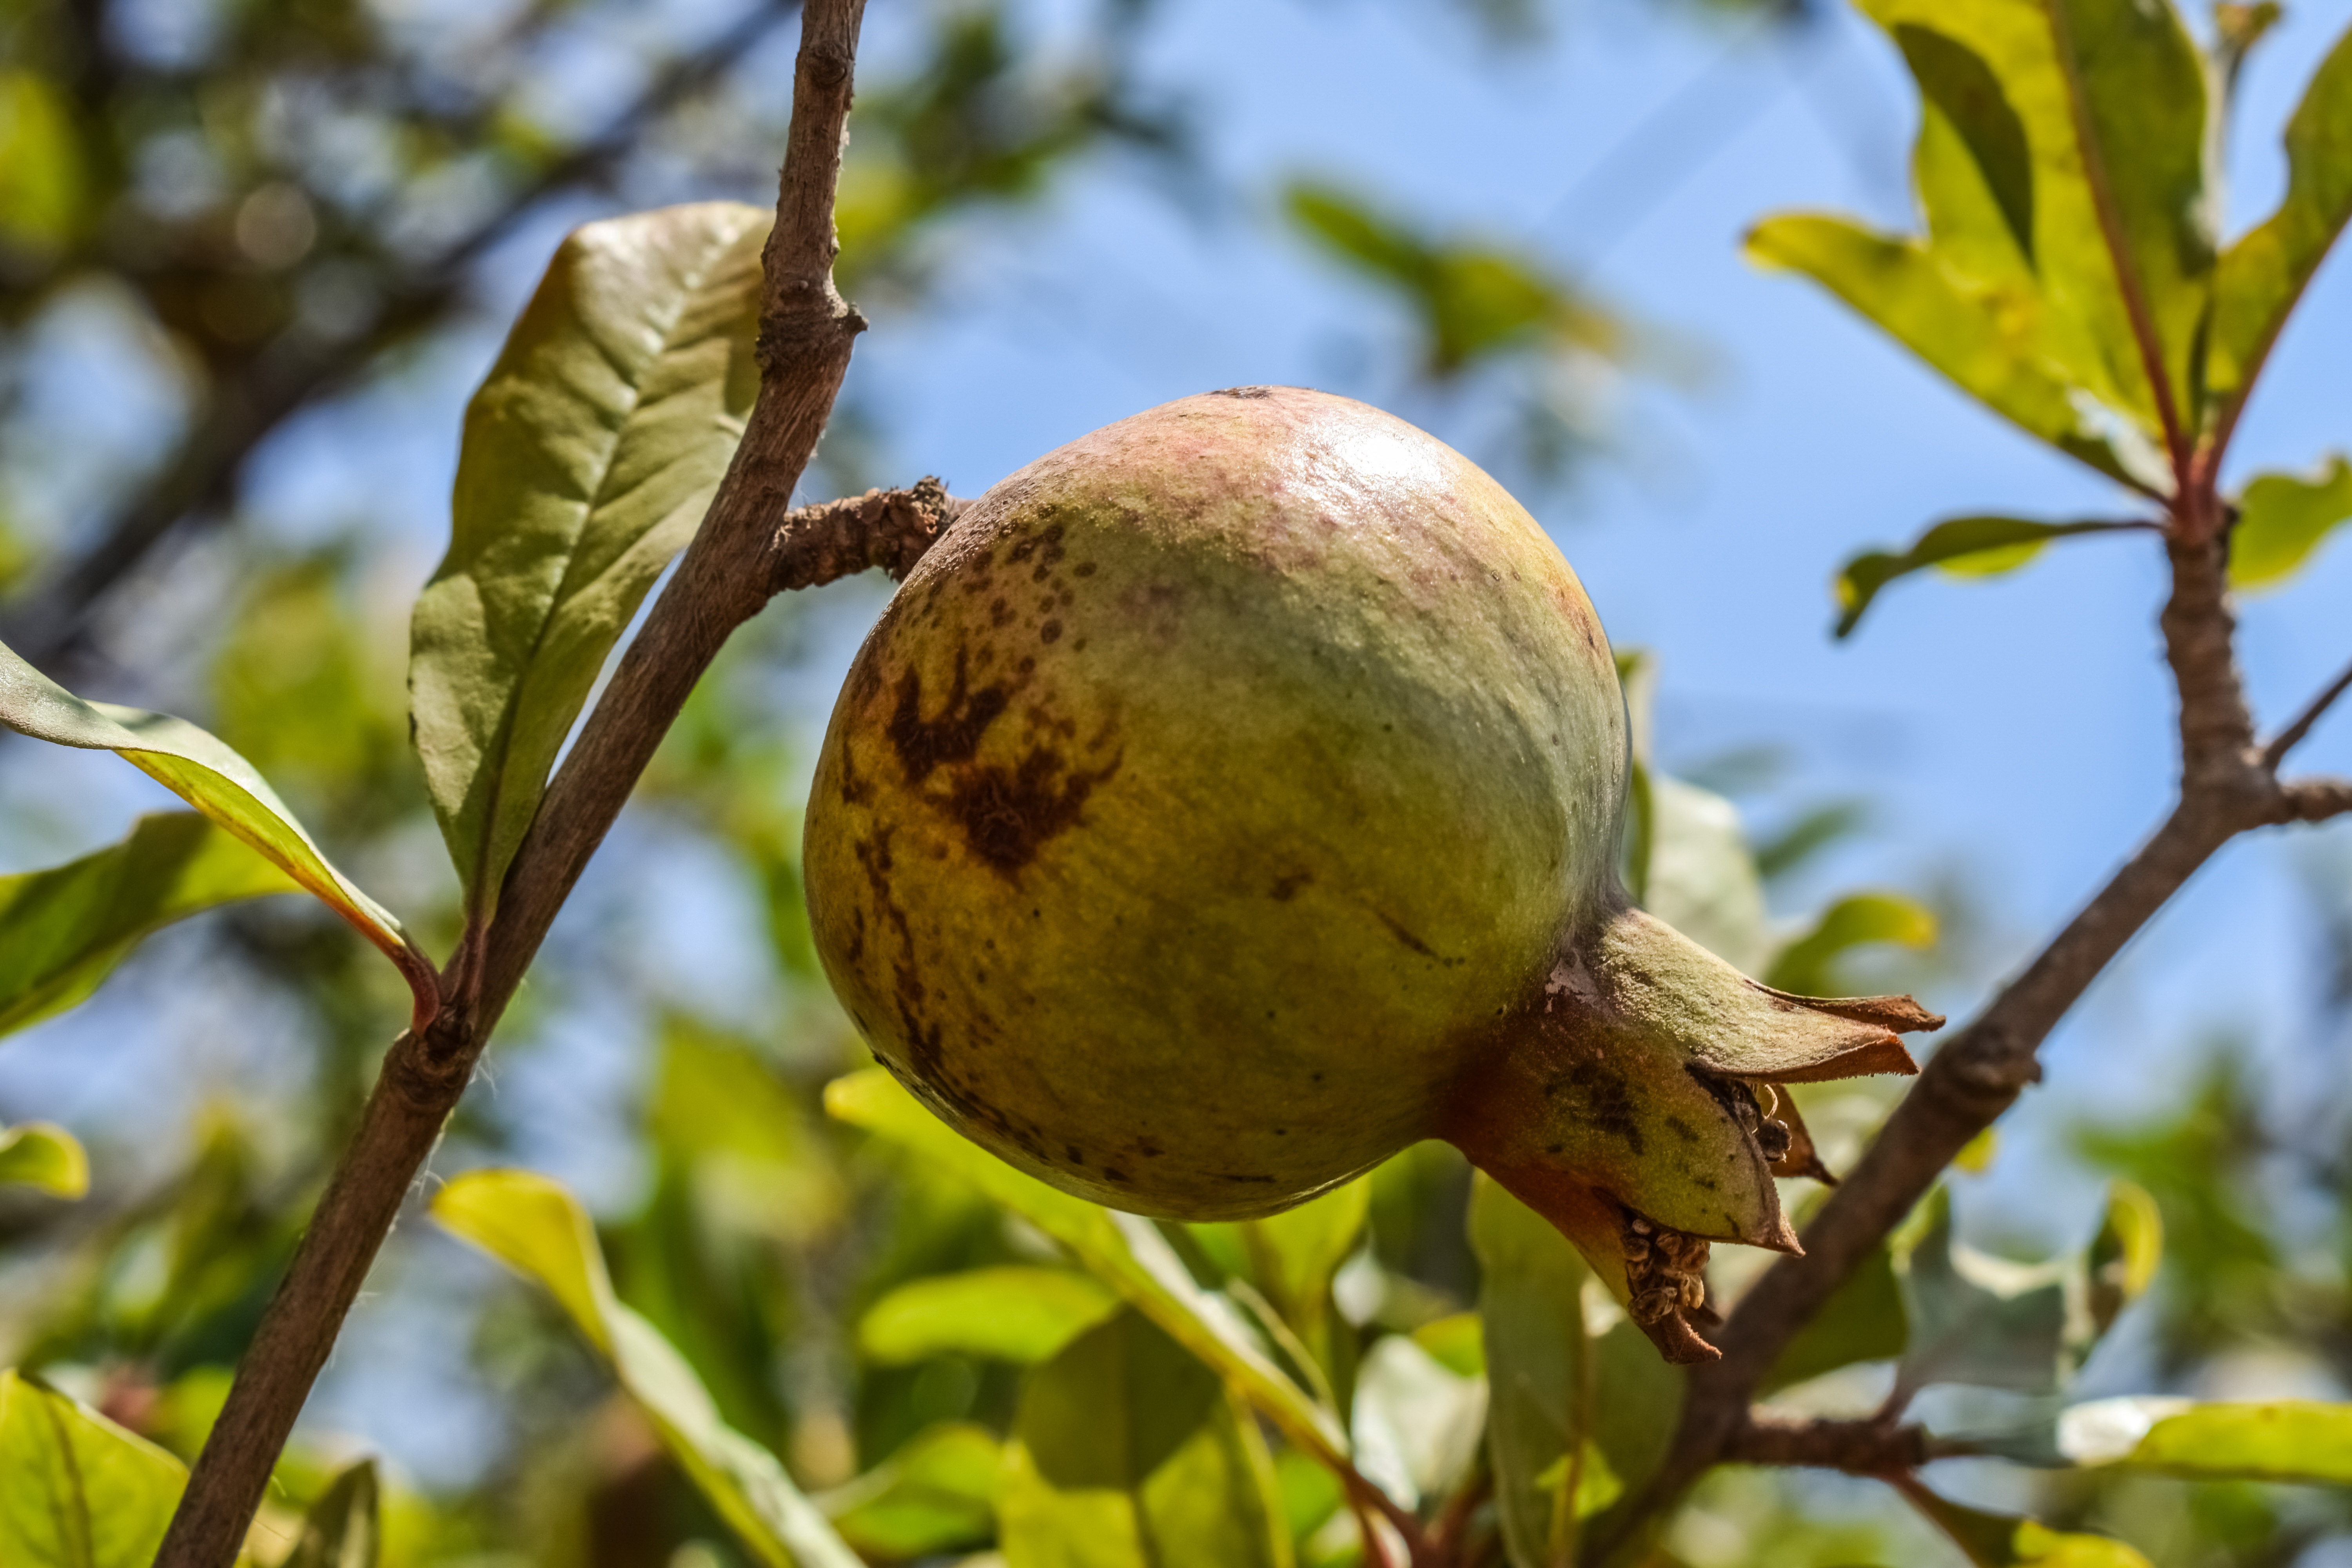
<point>2014,733</point>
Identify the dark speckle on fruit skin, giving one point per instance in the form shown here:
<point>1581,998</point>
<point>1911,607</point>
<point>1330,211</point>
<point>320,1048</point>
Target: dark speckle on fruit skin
<point>926,744</point>
<point>1009,814</point>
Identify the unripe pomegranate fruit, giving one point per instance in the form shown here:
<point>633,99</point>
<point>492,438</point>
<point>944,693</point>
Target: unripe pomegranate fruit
<point>1232,797</point>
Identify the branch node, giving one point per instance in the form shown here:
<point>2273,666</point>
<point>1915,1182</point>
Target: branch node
<point>889,529</point>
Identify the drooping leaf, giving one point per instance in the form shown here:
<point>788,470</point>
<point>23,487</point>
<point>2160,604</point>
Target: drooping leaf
<point>2283,518</point>
<point>1567,1373</point>
<point>1981,546</point>
<point>537,1228</point>
<point>2061,168</point>
<point>2294,1440</point>
<point>209,776</point>
<point>1128,1453</point>
<point>1918,299</point>
<point>2001,1541</point>
<point>1804,967</point>
<point>64,930</point>
<point>40,1154</point>
<point>938,1493</point>
<point>1012,1312</point>
<point>343,1529</point>
<point>1530,1299</point>
<point>1976,1319</point>
<point>1863,1321</point>
<point>1123,1251</point>
<point>590,454</point>
<point>76,1489</point>
<point>2263,274</point>
<point>1416,1422</point>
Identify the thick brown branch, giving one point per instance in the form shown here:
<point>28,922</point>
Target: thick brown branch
<point>2315,800</point>
<point>805,336</point>
<point>2217,733</point>
<point>1857,1447</point>
<point>885,528</point>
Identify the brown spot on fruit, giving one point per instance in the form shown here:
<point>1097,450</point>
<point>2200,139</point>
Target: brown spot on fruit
<point>1050,632</point>
<point>1009,814</point>
<point>1286,887</point>
<point>924,745</point>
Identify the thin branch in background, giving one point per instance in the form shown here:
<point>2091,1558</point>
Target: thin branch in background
<point>197,485</point>
<point>2288,739</point>
<point>1672,142</point>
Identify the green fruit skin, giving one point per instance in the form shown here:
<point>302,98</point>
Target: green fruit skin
<point>1204,800</point>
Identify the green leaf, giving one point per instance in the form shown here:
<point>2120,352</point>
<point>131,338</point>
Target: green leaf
<point>590,454</point>
<point>1293,1255</point>
<point>1123,1251</point>
<point>1982,546</point>
<point>1567,1372</point>
<point>2001,1540</point>
<point>1862,1322</point>
<point>2296,1440</point>
<point>1010,1313</point>
<point>537,1228</point>
<point>2283,518</point>
<point>1805,967</point>
<point>42,174</point>
<point>937,1493</point>
<point>1473,301</point>
<point>1128,1453</point>
<point>39,1154</point>
<point>2264,273</point>
<point>1986,1321</point>
<point>342,1529</point>
<point>1530,1299</point>
<point>1920,300</point>
<point>1416,1422</point>
<point>2140,93</point>
<point>2061,168</point>
<point>1702,879</point>
<point>77,1490</point>
<point>209,776</point>
<point>63,930</point>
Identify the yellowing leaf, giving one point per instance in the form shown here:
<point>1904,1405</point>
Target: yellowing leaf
<point>41,168</point>
<point>1981,546</point>
<point>2283,518</point>
<point>77,1490</point>
<point>39,1155</point>
<point>1859,920</point>
<point>2005,1540</point>
<point>1011,1313</point>
<point>590,454</point>
<point>938,1493</point>
<point>2264,273</point>
<point>2290,1440</point>
<point>208,776</point>
<point>537,1228</point>
<point>63,930</point>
